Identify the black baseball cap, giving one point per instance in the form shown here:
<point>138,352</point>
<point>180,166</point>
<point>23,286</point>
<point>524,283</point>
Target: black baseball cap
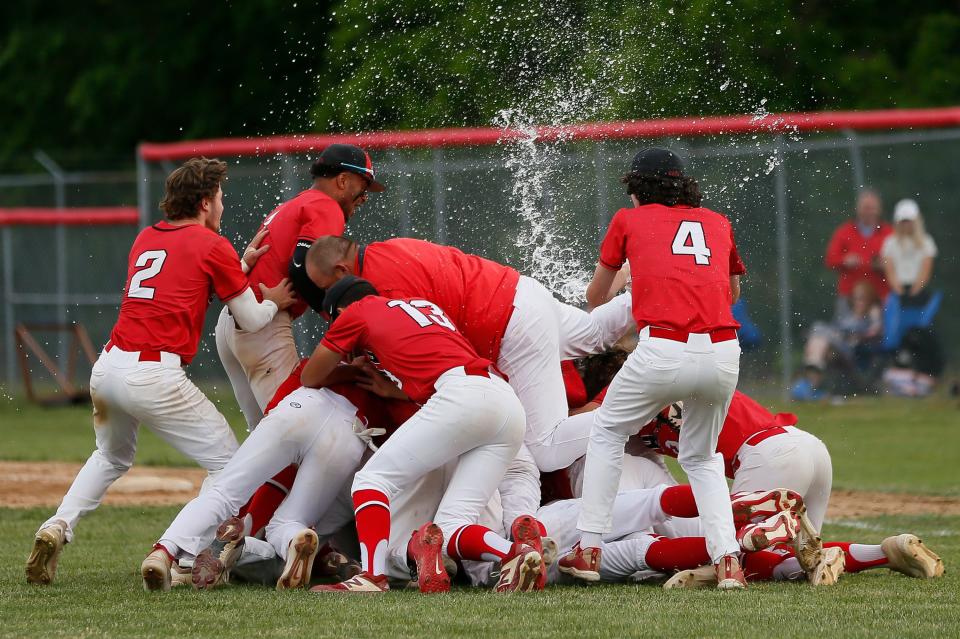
<point>333,295</point>
<point>657,161</point>
<point>347,157</point>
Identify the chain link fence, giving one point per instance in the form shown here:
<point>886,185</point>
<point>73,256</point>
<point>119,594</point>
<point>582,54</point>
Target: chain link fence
<point>785,193</point>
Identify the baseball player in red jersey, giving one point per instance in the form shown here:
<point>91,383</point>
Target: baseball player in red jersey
<point>469,414</point>
<point>174,267</point>
<point>510,319</point>
<point>258,362</point>
<point>685,270</point>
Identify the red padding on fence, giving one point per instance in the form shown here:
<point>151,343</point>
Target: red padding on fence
<point>81,216</point>
<point>431,138</point>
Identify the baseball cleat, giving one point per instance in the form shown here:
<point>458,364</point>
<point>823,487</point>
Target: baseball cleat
<point>228,545</point>
<point>551,551</point>
<point>180,575</point>
<point>702,577</point>
<point>332,563</point>
<point>208,572</point>
<point>779,528</point>
<point>526,530</point>
<point>155,570</point>
<point>425,559</point>
<point>751,507</point>
<point>908,555</point>
<point>830,567</point>
<point>48,543</point>
<point>520,570</point>
<point>729,575</point>
<point>300,555</point>
<point>582,563</point>
<point>364,583</point>
<point>807,543</point>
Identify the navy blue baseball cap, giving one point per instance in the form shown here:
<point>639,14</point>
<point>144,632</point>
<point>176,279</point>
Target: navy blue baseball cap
<point>347,157</point>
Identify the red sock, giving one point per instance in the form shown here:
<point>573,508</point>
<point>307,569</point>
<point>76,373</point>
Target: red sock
<point>372,510</point>
<point>852,563</point>
<point>268,498</point>
<point>477,543</point>
<point>678,501</point>
<point>682,553</point>
<point>759,566</point>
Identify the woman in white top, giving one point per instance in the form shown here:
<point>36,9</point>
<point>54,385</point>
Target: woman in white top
<point>908,254</point>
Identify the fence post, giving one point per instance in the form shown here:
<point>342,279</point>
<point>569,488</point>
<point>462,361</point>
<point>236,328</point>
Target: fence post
<point>288,172</point>
<point>439,196</point>
<point>60,238</point>
<point>143,190</point>
<point>783,269</point>
<point>403,191</point>
<point>8,304</point>
<point>856,160</point>
<point>603,193</point>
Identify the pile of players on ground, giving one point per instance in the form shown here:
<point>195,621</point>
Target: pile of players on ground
<point>457,423</point>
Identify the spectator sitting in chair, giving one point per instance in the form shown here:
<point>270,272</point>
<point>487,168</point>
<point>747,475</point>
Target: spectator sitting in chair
<point>908,255</point>
<point>854,249</point>
<point>848,341</point>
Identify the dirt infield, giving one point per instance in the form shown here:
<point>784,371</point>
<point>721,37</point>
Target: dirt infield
<point>34,484</point>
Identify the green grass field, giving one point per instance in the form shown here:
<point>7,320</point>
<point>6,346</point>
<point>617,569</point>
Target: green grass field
<point>884,445</point>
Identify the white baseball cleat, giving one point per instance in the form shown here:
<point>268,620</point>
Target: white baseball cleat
<point>807,544</point>
<point>828,570</point>
<point>300,555</point>
<point>702,577</point>
<point>47,545</point>
<point>155,570</point>
<point>908,555</point>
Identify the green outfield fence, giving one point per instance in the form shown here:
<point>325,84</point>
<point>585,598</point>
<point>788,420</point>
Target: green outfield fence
<point>785,180</point>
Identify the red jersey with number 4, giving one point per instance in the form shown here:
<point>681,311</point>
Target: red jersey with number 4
<point>172,273</point>
<point>476,294</point>
<point>306,217</point>
<point>411,341</point>
<point>681,260</point>
<point>745,419</point>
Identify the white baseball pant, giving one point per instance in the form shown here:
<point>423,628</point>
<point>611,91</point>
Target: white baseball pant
<point>313,428</point>
<point>126,393</point>
<point>796,460</point>
<point>256,363</point>
<point>475,420</point>
<point>540,333</point>
<point>659,372</point>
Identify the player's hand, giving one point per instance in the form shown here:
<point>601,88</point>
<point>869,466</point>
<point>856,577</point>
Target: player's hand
<point>253,251</point>
<point>282,294</point>
<point>377,383</point>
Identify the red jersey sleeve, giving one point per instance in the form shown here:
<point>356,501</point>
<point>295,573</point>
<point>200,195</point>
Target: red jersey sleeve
<point>736,264</point>
<point>222,264</point>
<point>837,248</point>
<point>599,396</point>
<point>324,217</point>
<point>613,248</point>
<point>346,333</point>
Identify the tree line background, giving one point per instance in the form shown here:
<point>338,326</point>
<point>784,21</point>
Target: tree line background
<point>87,81</point>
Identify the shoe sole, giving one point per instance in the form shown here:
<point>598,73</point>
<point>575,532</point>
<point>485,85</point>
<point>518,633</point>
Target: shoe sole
<point>550,551</point>
<point>761,538</point>
<point>731,584</point>
<point>44,552</point>
<point>435,582</point>
<point>582,575</point>
<point>296,574</point>
<point>918,560</point>
<point>828,571</point>
<point>230,533</point>
<point>807,544</point>
<point>526,531</point>
<point>778,500</point>
<point>529,573</point>
<point>690,579</point>
<point>155,579</point>
<point>207,572</point>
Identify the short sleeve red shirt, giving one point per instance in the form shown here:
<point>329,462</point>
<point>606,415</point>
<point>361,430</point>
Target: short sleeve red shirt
<point>411,341</point>
<point>171,275</point>
<point>681,260</point>
<point>306,217</point>
<point>475,293</point>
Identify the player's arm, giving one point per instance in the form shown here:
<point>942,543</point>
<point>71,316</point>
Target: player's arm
<point>253,251</point>
<point>734,288</point>
<point>320,368</point>
<point>598,292</point>
<point>302,284</point>
<point>620,281</point>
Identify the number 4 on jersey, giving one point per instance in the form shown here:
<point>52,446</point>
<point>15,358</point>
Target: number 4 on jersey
<point>689,240</point>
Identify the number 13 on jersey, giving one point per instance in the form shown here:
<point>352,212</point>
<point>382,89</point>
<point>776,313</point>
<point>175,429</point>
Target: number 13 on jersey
<point>689,240</point>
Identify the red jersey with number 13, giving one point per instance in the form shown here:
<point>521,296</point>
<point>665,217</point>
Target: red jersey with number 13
<point>171,275</point>
<point>681,260</point>
<point>411,341</point>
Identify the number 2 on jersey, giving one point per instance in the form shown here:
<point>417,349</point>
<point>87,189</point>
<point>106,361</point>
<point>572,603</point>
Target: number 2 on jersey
<point>137,289</point>
<point>413,307</point>
<point>689,240</point>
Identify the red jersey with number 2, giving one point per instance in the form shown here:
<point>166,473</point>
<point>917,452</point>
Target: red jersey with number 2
<point>306,217</point>
<point>411,341</point>
<point>681,260</point>
<point>172,273</point>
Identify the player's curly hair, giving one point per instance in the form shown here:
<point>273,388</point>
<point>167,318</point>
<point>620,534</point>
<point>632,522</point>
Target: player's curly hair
<point>187,186</point>
<point>597,371</point>
<point>662,189</point>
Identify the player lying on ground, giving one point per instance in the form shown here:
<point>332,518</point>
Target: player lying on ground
<point>469,414</point>
<point>174,267</point>
<point>258,362</point>
<point>686,271</point>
